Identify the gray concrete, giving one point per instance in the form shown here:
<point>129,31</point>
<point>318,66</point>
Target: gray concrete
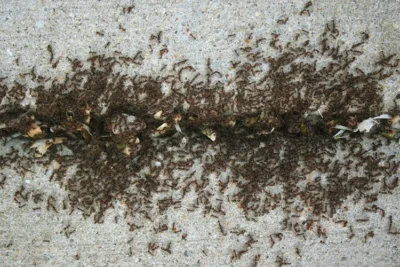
<point>27,27</point>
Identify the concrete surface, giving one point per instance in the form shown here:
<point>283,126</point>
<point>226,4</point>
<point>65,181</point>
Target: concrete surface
<point>29,238</point>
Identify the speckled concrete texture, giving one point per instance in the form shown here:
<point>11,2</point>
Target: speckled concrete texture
<point>193,30</point>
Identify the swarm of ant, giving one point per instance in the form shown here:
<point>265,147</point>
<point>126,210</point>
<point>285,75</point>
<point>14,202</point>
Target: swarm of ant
<point>262,139</point>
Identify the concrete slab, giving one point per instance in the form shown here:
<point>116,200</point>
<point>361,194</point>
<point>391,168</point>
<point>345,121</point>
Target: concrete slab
<point>196,31</point>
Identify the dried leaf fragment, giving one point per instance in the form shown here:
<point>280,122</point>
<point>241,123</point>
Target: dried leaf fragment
<point>210,133</point>
<point>43,145</point>
<point>35,131</point>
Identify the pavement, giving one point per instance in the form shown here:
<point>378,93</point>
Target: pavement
<point>196,31</point>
